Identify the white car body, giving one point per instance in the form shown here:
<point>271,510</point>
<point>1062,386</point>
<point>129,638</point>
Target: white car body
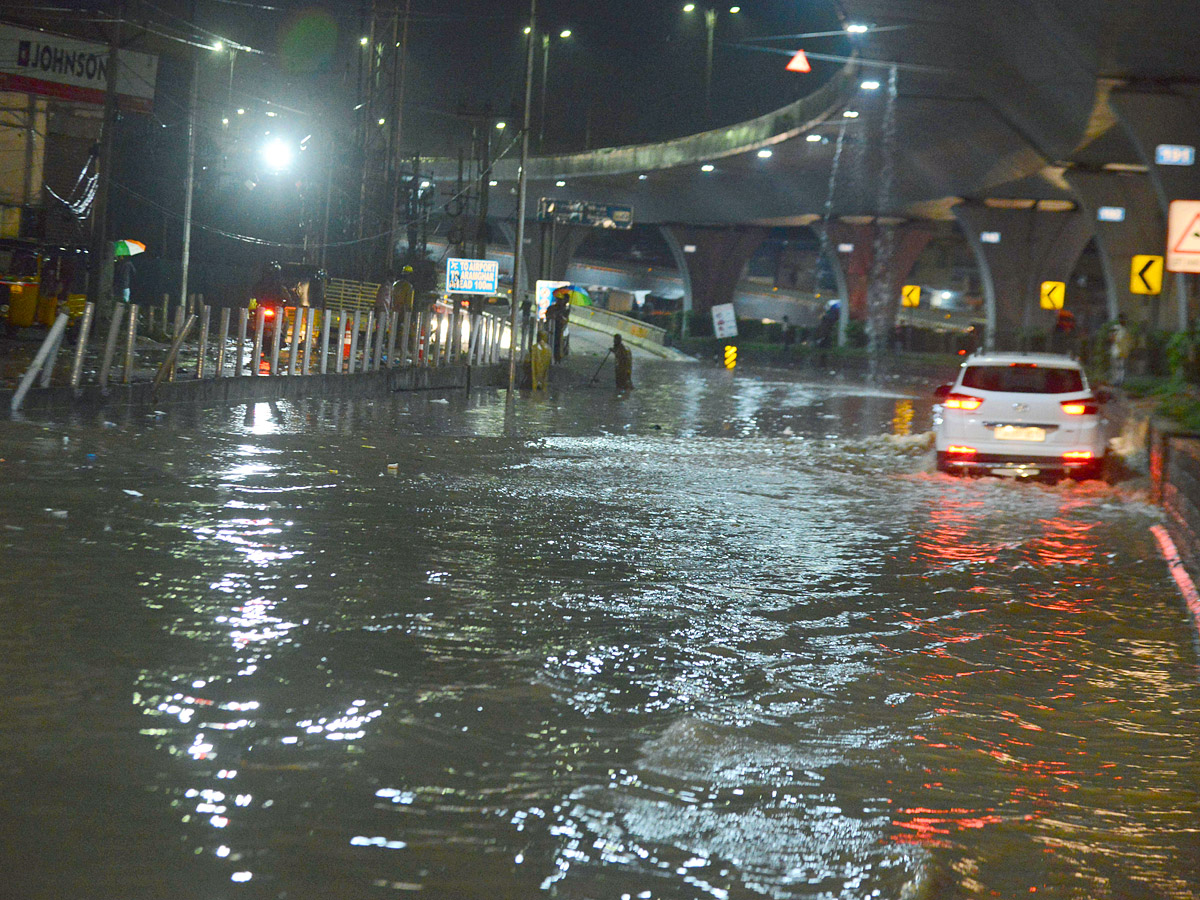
<point>1021,414</point>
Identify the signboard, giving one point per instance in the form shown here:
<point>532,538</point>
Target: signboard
<point>542,292</point>
<point>910,296</point>
<point>581,212</point>
<point>1175,155</point>
<point>37,62</point>
<point>1111,214</point>
<point>724,321</point>
<point>472,276</point>
<point>1146,275</point>
<point>1183,236</point>
<point>1054,294</point>
<point>799,63</point>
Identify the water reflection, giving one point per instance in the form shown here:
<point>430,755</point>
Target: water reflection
<point>721,639</point>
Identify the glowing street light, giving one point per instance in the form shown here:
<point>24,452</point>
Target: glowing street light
<point>218,46</point>
<point>871,85</point>
<point>856,28</point>
<point>277,155</point>
<point>765,154</point>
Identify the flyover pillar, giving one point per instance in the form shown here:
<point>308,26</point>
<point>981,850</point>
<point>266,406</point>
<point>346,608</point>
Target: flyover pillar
<point>1151,118</point>
<point>1017,250</point>
<point>1141,232</point>
<point>711,261</point>
<point>549,249</point>
<point>865,274</point>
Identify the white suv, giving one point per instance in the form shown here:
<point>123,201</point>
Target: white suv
<point>1021,414</point>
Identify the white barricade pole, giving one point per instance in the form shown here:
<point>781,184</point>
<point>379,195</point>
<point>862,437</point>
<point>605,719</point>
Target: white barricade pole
<point>85,329</point>
<point>205,316</point>
<point>51,341</point>
<point>110,344</point>
<point>310,318</point>
<point>260,322</point>
<point>326,318</point>
<point>243,328</point>
<point>354,342</point>
<point>277,340</point>
<point>131,333</point>
<point>294,342</point>
<point>222,340</point>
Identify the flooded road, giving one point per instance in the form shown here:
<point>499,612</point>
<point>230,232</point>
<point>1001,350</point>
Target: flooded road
<point>725,638</point>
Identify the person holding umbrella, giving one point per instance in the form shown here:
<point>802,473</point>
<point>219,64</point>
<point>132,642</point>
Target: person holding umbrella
<point>123,269</point>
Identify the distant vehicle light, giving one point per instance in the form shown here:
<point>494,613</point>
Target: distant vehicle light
<point>963,401</point>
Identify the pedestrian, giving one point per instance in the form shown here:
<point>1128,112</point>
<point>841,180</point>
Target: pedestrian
<point>539,362</point>
<point>1120,343</point>
<point>122,277</point>
<point>789,335</point>
<point>623,358</point>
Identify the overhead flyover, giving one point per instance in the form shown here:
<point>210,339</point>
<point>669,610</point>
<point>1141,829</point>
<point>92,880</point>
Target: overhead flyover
<point>1011,118</point>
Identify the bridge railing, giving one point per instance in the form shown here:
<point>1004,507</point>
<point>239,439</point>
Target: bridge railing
<point>615,323</point>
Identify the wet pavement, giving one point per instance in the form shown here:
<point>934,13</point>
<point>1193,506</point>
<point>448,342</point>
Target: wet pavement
<point>726,637</point>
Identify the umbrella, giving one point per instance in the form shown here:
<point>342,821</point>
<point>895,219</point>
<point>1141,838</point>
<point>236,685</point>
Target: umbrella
<point>128,248</point>
<point>573,294</point>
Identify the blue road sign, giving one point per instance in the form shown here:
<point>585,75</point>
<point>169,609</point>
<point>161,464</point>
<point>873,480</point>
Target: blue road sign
<point>1175,155</point>
<point>472,276</point>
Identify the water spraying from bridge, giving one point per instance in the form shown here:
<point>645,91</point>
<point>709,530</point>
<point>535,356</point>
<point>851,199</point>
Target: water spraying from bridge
<point>826,243</point>
<point>881,292</point>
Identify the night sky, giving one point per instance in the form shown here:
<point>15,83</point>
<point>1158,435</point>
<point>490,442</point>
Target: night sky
<point>633,69</point>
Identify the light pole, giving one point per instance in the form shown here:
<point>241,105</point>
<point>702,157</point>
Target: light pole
<point>522,190</point>
<point>565,34</point>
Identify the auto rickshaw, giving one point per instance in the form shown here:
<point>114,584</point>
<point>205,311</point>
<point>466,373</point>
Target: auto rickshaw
<point>35,279</point>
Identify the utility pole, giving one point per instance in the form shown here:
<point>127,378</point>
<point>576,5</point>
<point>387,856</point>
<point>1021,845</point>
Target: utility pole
<point>189,183</point>
<point>100,260</point>
<point>522,191</point>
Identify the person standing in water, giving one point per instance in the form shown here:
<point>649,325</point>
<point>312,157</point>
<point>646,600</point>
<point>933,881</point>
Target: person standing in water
<point>624,364</point>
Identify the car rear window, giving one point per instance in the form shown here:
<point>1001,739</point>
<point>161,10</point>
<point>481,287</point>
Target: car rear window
<point>1023,379</point>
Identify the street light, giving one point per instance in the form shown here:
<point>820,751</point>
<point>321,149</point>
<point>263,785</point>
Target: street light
<point>277,155</point>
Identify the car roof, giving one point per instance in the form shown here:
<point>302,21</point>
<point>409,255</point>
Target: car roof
<point>995,358</point>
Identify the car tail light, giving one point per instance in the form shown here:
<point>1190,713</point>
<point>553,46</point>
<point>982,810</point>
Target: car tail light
<point>1078,455</point>
<point>963,401</point>
<point>269,312</point>
<point>1085,407</point>
<point>961,451</point>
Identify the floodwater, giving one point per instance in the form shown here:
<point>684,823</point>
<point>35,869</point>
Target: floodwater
<point>727,637</point>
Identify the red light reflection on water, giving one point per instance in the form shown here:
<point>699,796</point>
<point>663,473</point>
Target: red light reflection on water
<point>983,732</point>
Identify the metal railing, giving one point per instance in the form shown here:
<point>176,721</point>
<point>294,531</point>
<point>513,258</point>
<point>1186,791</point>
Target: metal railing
<point>301,341</point>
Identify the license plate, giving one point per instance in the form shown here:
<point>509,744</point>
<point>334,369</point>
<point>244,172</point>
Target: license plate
<point>1019,433</point>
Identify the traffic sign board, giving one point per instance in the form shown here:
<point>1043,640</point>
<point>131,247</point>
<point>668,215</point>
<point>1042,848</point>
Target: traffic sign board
<point>1183,236</point>
<point>724,321</point>
<point>799,63</point>
<point>1175,155</point>
<point>472,276</point>
<point>911,295</point>
<point>1054,294</point>
<point>1146,275</point>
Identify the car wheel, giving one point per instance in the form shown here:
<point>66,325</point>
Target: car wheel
<point>942,465</point>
